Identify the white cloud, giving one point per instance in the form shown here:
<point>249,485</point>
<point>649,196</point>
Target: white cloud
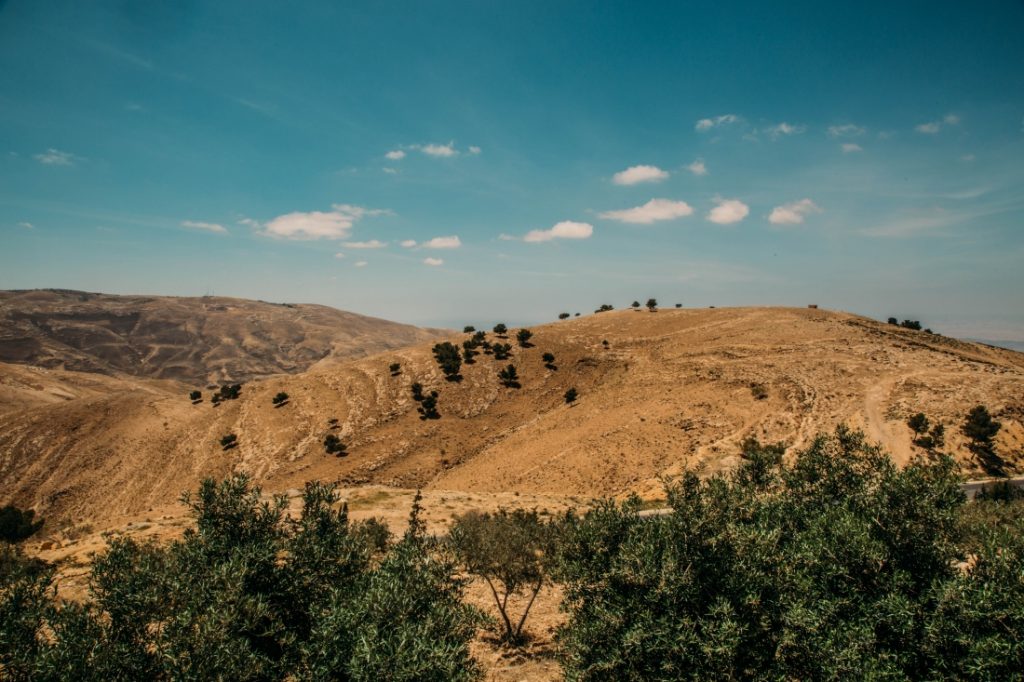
<point>728,211</point>
<point>967,158</point>
<point>209,227</point>
<point>653,211</point>
<point>334,224</point>
<point>793,213</point>
<point>372,244</point>
<point>395,155</point>
<point>473,149</point>
<point>506,237</point>
<point>638,174</point>
<point>706,124</point>
<point>698,167</point>
<point>433,261</point>
<point>846,130</point>
<point>55,157</point>
<point>440,150</point>
<point>390,171</point>
<point>360,264</point>
<point>452,242</point>
<point>27,225</point>
<point>408,243</point>
<point>929,128</point>
<point>339,255</point>
<point>566,229</point>
<point>951,119</point>
<point>849,147</point>
<point>777,131</point>
<point>248,222</point>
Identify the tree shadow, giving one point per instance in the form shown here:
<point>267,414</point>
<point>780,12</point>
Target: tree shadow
<point>280,405</point>
<point>992,463</point>
<point>548,365</point>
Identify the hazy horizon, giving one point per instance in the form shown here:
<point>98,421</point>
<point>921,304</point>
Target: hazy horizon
<point>455,163</point>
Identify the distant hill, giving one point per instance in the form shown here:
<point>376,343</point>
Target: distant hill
<point>671,391</point>
<point>199,340</point>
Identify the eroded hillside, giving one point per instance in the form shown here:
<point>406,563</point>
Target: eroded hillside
<point>200,340</point>
<point>670,390</point>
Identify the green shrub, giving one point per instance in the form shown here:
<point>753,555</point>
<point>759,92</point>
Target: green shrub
<point>229,441</point>
<point>570,396</point>
<point>280,399</point>
<point>195,396</point>
<point>449,360</point>
<point>395,368</point>
<point>523,337</point>
<point>563,316</point>
<point>840,566</point>
<point>509,377</point>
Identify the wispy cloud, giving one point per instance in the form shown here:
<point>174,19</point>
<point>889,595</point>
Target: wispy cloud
<point>395,155</point>
<point>372,244</point>
<point>507,237</point>
<point>26,225</point>
<point>473,149</point>
<point>334,224</point>
<point>360,264</point>
<point>208,227</point>
<point>433,261</point>
<point>846,130</point>
<point>637,174</point>
<point>653,211</point>
<point>793,213</point>
<point>706,124</point>
<point>452,242</point>
<point>698,167</point>
<point>850,147</point>
<point>408,243</point>
<point>934,127</point>
<point>784,129</point>
<point>728,211</point>
<point>566,229</point>
<point>55,157</point>
<point>339,255</point>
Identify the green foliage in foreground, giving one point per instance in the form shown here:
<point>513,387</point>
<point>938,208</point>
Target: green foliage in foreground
<point>247,594</point>
<point>840,566</point>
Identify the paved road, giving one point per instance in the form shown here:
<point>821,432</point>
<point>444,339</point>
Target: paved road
<point>970,488</point>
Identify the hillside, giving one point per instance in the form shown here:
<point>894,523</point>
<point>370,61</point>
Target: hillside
<point>201,340</point>
<point>670,391</point>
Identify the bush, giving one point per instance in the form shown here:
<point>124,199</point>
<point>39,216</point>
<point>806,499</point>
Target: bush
<point>449,360</point>
<point>893,320</point>
<point>195,396</point>
<point>635,305</point>
<point>570,396</point>
<point>911,324</point>
<point>512,551</point>
<point>280,399</point>
<point>248,594</point>
<point>840,566</point>
<point>564,316</point>
<point>230,392</point>
<point>509,377</point>
<point>549,360</point>
<point>417,391</point>
<point>500,329</point>
<point>428,407</point>
<point>679,305</point>
<point>229,441</point>
<point>652,304</point>
<point>523,337</point>
<point>334,446</point>
<point>758,391</point>
<point>395,368</point>
<point>468,329</point>
<point>605,307</point>
<point>16,525</point>
<point>501,350</point>
<point>918,423</point>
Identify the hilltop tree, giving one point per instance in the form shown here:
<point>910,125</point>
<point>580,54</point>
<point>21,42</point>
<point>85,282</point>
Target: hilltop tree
<point>334,446</point>
<point>635,305</point>
<point>563,316</point>
<point>195,396</point>
<point>509,377</point>
<point>679,305</point>
<point>652,304</point>
<point>911,324</point>
<point>280,399</point>
<point>501,350</point>
<point>513,552</point>
<point>428,407</point>
<point>500,329</point>
<point>893,321</point>
<point>523,337</point>
<point>395,368</point>
<point>468,329</point>
<point>229,441</point>
<point>605,307</point>
<point>449,360</point>
<point>570,396</point>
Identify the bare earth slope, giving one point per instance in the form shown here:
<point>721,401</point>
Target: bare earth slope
<point>202,340</point>
<point>670,391</point>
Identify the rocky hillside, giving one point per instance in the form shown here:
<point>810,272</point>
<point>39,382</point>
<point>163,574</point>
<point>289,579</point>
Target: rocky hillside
<point>670,390</point>
<point>201,340</point>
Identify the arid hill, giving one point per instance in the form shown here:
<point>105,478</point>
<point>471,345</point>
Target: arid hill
<point>202,340</point>
<point>671,390</point>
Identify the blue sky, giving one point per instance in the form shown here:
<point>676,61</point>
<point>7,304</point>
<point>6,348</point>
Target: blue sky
<point>543,156</point>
